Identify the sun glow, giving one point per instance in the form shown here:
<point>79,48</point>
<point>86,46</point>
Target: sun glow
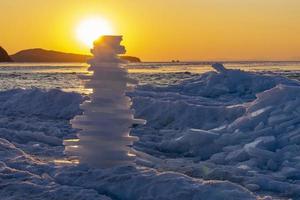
<point>91,29</point>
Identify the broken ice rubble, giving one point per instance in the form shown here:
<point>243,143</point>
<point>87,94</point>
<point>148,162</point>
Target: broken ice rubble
<point>226,134</point>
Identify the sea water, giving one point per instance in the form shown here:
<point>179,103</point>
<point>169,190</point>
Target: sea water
<point>65,75</point>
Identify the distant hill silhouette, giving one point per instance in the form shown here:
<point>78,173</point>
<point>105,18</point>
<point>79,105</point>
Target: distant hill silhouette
<point>4,57</point>
<point>42,55</point>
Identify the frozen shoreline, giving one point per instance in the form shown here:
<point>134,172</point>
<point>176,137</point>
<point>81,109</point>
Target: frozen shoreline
<point>244,138</point>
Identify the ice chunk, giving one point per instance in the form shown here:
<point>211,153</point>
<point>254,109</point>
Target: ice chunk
<point>219,67</point>
<point>237,156</point>
<point>190,140</point>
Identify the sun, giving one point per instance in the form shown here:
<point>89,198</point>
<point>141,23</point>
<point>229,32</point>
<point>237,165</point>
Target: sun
<point>88,30</point>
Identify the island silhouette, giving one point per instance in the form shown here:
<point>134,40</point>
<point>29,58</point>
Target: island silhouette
<point>43,55</point>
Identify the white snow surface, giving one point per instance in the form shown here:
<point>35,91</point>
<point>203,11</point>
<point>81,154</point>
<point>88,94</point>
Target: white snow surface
<point>227,134</point>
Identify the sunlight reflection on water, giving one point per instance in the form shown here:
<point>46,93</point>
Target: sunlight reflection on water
<point>65,76</point>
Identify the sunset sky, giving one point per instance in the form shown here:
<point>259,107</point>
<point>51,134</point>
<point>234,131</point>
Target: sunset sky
<point>161,30</point>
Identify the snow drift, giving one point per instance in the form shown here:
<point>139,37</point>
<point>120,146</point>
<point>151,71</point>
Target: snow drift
<point>53,103</point>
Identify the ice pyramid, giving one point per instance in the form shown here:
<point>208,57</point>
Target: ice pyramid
<point>103,139</point>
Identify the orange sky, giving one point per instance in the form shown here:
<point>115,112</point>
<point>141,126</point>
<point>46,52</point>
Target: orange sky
<point>161,30</point>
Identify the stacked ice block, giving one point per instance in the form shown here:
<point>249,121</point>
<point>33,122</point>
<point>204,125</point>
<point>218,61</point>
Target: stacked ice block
<point>104,139</point>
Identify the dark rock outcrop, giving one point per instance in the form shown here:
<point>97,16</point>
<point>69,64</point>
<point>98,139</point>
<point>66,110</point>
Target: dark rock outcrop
<point>4,57</point>
<point>42,55</point>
